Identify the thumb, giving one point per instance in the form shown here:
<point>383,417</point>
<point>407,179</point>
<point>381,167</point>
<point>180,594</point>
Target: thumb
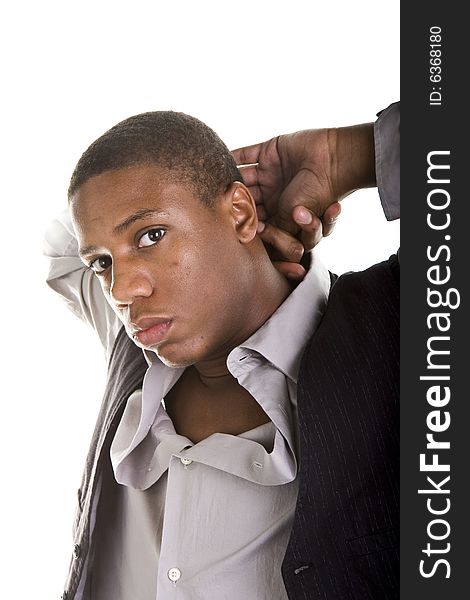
<point>300,191</point>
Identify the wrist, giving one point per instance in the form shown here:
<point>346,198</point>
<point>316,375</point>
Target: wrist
<point>353,158</point>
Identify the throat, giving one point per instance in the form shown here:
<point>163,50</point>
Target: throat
<point>211,373</point>
<point>200,406</point>
<point>215,383</point>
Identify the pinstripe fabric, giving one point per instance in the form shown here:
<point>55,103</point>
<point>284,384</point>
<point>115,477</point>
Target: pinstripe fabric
<point>344,543</point>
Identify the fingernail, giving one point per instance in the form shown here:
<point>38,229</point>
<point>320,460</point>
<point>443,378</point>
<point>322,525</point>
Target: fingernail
<point>261,227</point>
<point>304,216</point>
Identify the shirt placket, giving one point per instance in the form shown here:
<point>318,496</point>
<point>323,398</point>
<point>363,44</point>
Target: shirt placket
<point>173,568</point>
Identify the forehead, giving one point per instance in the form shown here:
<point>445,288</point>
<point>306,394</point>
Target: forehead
<point>115,194</point>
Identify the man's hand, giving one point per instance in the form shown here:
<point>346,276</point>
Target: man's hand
<point>298,179</point>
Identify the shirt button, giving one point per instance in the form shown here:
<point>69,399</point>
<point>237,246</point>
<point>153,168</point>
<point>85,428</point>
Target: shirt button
<point>174,574</point>
<point>186,461</point>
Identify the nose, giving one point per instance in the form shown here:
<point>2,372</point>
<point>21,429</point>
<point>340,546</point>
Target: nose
<point>129,281</point>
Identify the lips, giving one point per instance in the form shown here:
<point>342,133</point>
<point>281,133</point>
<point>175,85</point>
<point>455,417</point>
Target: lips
<point>151,331</point>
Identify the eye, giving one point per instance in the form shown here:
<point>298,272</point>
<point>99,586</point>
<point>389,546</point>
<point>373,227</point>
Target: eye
<point>100,264</point>
<point>151,237</point>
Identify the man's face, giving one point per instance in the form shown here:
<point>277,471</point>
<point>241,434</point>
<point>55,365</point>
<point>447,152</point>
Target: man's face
<point>170,266</point>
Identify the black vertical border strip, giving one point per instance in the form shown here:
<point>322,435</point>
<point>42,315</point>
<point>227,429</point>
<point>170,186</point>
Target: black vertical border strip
<point>426,128</point>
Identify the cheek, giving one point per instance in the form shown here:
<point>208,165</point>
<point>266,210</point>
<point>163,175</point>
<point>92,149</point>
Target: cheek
<point>204,279</point>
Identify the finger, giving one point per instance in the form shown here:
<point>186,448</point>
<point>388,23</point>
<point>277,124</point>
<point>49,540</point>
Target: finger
<point>287,246</point>
<point>247,155</point>
<point>304,217</point>
<point>257,194</point>
<point>291,270</point>
<point>261,212</point>
<point>250,175</point>
<point>330,218</point>
<point>310,239</point>
<point>311,227</point>
<point>301,191</point>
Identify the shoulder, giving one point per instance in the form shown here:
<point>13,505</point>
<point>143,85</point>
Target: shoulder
<point>367,292</point>
<point>387,271</point>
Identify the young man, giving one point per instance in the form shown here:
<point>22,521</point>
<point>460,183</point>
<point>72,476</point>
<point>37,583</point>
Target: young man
<point>193,476</point>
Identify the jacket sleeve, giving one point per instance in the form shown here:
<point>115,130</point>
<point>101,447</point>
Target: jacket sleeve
<point>77,285</point>
<point>387,159</point>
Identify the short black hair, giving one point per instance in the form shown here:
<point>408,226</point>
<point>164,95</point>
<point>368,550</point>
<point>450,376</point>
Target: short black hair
<point>190,151</point>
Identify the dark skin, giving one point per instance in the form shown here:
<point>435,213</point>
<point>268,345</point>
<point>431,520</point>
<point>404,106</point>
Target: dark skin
<point>155,265</point>
<point>297,181</point>
<point>200,406</point>
<point>161,255</point>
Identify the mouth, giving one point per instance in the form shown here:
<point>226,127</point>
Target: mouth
<point>150,332</point>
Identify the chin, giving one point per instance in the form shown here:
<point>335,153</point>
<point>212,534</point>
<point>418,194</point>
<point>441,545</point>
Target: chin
<point>179,356</point>
<point>173,363</point>
<point>172,356</point>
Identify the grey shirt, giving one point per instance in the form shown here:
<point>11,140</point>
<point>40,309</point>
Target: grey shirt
<point>209,520</point>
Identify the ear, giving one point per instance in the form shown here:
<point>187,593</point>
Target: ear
<point>242,211</point>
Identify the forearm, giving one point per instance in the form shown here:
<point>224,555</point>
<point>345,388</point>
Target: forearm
<point>369,155</point>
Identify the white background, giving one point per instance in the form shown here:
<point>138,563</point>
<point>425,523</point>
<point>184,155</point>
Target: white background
<point>250,70</point>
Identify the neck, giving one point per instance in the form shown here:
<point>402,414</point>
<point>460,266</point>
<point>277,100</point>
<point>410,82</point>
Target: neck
<point>268,292</point>
<point>213,373</point>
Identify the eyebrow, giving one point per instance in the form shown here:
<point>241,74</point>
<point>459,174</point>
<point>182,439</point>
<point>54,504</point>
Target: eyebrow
<point>138,215</point>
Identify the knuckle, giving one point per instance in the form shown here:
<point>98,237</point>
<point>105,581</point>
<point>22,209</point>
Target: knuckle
<point>295,251</point>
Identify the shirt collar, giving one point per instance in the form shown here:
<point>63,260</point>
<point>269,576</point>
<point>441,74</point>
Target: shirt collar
<point>283,337</point>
